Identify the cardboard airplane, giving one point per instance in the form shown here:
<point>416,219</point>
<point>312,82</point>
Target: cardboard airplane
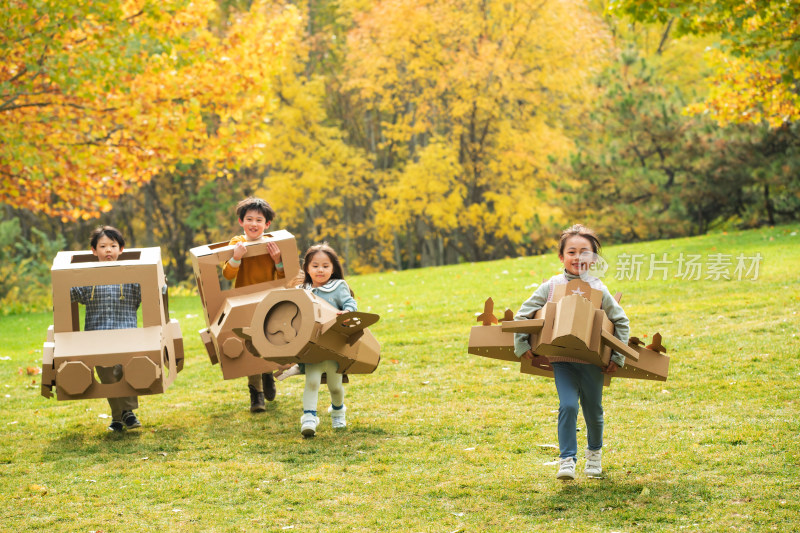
<point>572,324</point>
<point>263,327</point>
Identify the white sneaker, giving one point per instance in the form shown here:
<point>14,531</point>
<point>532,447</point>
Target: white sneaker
<point>308,424</point>
<point>338,419</point>
<point>593,467</point>
<point>566,468</point>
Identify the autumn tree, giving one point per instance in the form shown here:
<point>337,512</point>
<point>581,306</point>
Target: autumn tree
<point>463,104</point>
<point>757,56</point>
<point>646,170</point>
<point>97,98</point>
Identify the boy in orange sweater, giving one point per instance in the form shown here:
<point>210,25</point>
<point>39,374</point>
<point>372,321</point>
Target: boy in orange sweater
<point>255,216</point>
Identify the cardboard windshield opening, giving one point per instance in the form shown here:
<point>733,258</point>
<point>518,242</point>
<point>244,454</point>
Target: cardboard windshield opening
<point>89,257</point>
<point>79,311</point>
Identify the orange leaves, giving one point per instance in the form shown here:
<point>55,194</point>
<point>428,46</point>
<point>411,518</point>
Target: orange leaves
<point>123,92</point>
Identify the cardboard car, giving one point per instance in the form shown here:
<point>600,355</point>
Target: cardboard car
<point>150,356</point>
<point>572,324</point>
<point>263,327</point>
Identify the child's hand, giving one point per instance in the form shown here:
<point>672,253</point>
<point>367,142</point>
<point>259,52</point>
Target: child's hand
<point>344,322</point>
<point>274,252</point>
<point>239,251</point>
<point>611,368</point>
<point>538,361</point>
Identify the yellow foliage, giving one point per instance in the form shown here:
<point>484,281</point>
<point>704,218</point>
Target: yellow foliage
<point>473,99</point>
<point>113,113</point>
<point>746,90</point>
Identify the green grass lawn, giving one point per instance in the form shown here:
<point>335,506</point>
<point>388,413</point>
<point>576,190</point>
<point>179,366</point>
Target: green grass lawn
<point>437,439</point>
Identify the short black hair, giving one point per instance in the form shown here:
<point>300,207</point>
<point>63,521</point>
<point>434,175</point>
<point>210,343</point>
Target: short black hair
<point>257,204</point>
<point>109,231</point>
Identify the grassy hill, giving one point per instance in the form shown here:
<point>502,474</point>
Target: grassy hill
<point>440,440</point>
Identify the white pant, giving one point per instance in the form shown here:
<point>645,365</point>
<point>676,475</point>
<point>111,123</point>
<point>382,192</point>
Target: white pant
<point>314,373</point>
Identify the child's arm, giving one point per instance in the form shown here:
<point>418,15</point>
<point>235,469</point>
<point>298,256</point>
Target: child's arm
<point>231,267</point>
<point>76,295</point>
<point>621,323</point>
<point>275,254</point>
<point>534,303</point>
<point>343,298</point>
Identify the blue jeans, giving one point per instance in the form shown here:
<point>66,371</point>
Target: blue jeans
<point>576,381</point>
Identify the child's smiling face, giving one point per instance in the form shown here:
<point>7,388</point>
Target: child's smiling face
<point>254,224</point>
<point>107,249</point>
<point>320,268</point>
<point>578,255</point>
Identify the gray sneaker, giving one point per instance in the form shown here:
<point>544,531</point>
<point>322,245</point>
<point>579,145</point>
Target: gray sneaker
<point>338,419</point>
<point>566,468</point>
<point>308,425</point>
<point>593,466</point>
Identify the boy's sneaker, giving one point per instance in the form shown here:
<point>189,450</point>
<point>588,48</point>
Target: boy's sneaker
<point>130,420</point>
<point>268,381</point>
<point>308,425</point>
<point>593,467</point>
<point>566,468</point>
<point>257,404</point>
<point>338,419</point>
<point>116,426</point>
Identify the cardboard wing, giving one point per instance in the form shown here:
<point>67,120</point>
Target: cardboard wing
<point>295,326</point>
<point>141,360</point>
<point>570,327</point>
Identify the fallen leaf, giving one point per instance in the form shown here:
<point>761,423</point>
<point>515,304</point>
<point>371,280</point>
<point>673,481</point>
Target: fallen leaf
<point>40,489</point>
<point>34,370</point>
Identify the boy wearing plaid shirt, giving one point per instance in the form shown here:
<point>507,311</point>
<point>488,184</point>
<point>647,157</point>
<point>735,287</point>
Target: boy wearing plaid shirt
<point>111,307</point>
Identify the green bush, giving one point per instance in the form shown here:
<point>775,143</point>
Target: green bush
<point>25,268</point>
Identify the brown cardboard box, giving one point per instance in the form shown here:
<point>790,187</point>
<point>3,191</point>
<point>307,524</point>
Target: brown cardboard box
<point>150,356</point>
<point>259,328</point>
<point>572,326</point>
